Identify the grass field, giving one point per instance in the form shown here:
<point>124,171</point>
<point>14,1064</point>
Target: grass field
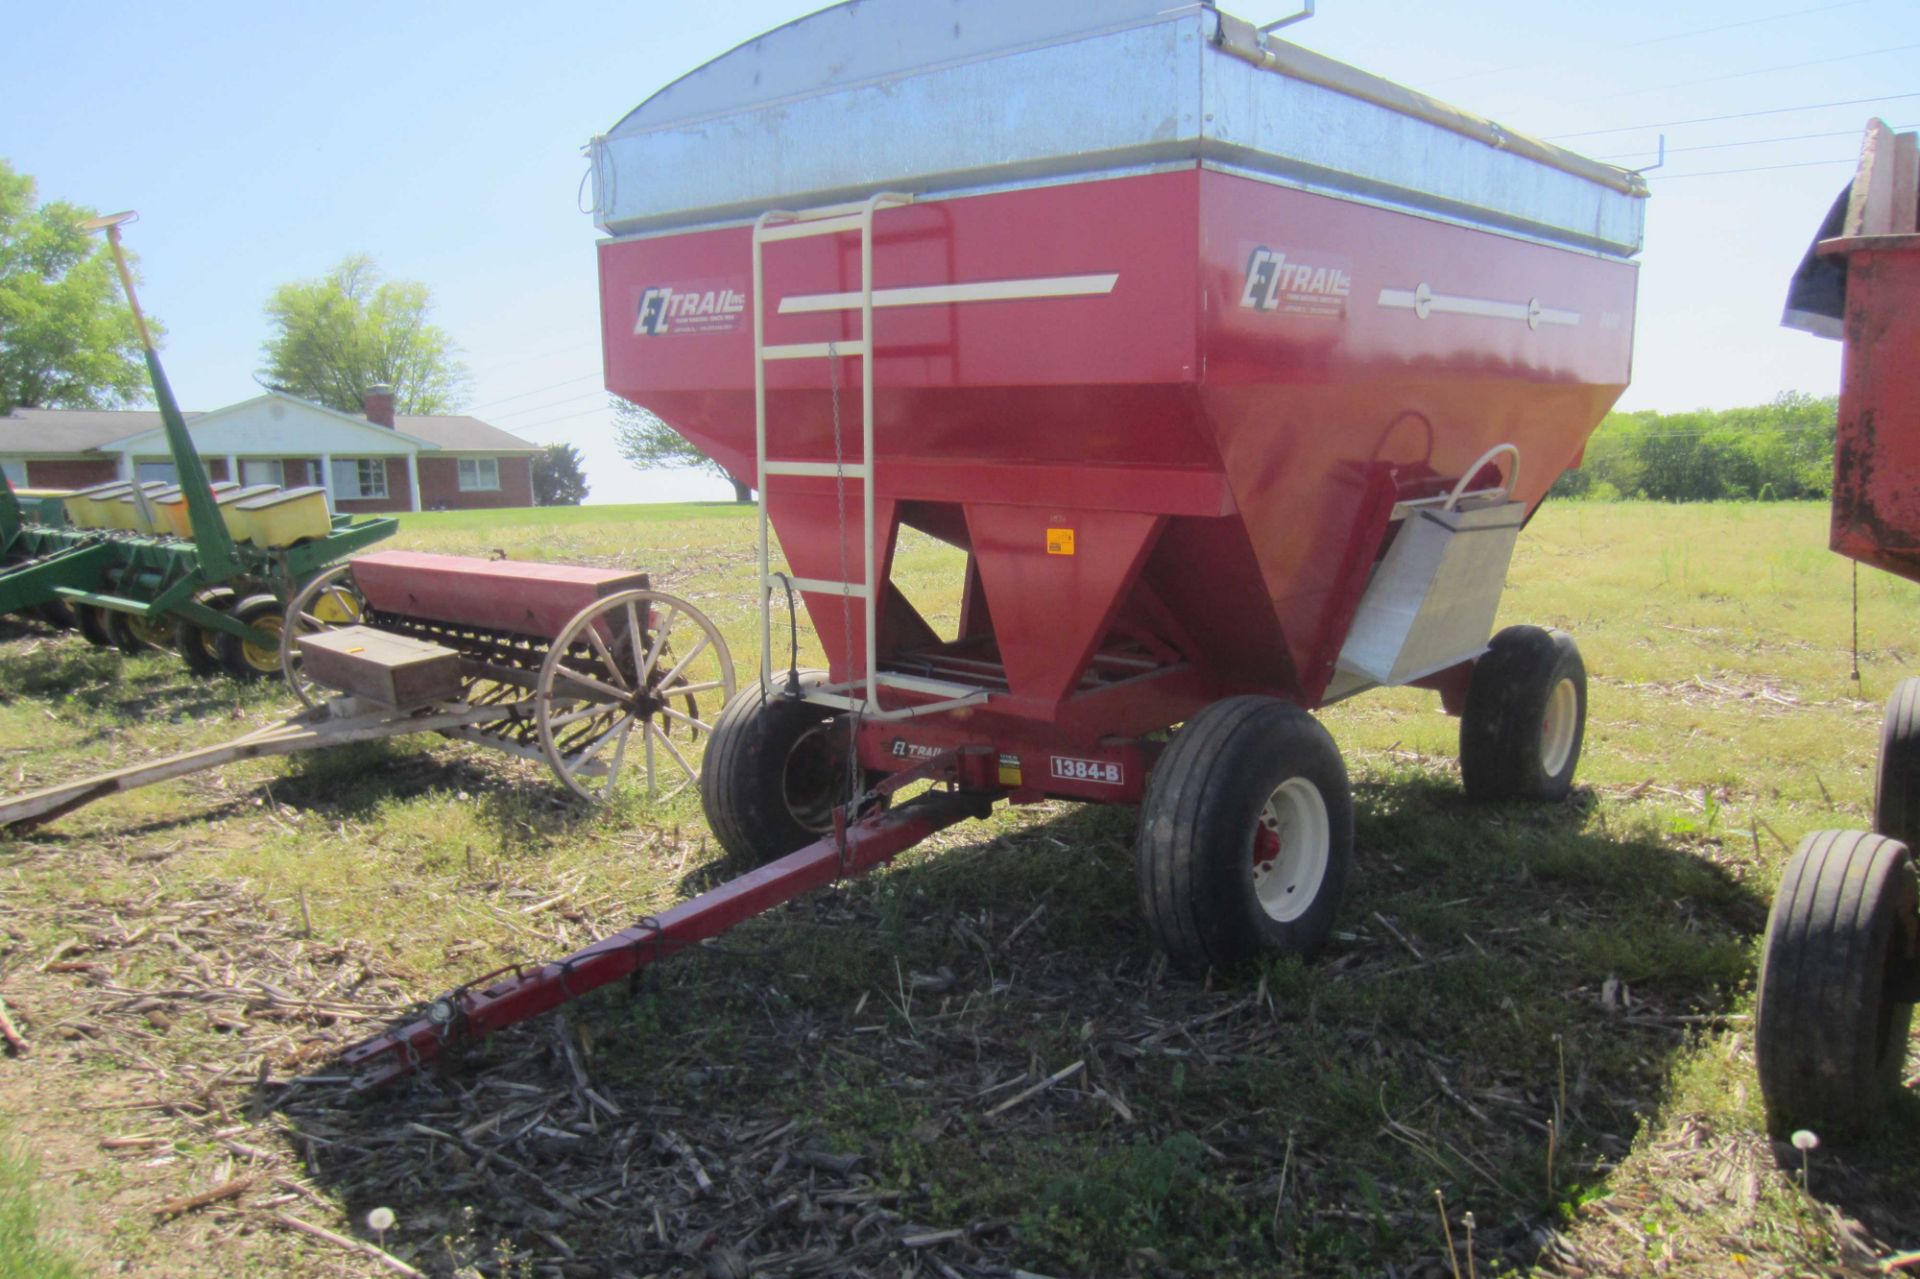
<point>1533,1021</point>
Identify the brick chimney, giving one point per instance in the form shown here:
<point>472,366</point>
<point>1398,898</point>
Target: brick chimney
<point>377,400</point>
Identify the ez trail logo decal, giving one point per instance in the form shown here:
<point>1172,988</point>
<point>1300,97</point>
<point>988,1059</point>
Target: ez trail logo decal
<point>694,308</point>
<point>1317,284</point>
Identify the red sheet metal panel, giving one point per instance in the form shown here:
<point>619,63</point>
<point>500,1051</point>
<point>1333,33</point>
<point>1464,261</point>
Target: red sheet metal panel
<point>507,595</point>
<point>1876,455</point>
<point>1268,368</point>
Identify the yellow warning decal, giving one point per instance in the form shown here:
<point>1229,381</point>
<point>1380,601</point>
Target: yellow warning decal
<point>1059,541</point>
<point>1010,770</point>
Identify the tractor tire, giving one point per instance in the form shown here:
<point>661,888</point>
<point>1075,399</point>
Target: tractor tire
<point>245,660</point>
<point>198,648</point>
<point>1246,836</point>
<point>1837,981</point>
<point>56,613</point>
<point>1525,718</point>
<point>775,770</point>
<point>1896,783</point>
<point>92,621</point>
<point>125,638</point>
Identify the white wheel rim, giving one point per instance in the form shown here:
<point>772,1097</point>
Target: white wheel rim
<point>1557,727</point>
<point>580,721</point>
<point>1291,847</point>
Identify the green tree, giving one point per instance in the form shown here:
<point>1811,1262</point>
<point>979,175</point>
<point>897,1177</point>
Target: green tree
<point>1775,451</point>
<point>649,443</point>
<point>66,336</point>
<point>351,329</point>
<point>559,477</point>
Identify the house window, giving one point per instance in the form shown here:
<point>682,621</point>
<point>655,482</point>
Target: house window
<point>258,470</point>
<point>150,471</point>
<point>16,471</point>
<point>479,475</point>
<point>359,477</point>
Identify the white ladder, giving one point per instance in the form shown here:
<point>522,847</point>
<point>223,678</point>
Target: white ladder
<point>860,693</point>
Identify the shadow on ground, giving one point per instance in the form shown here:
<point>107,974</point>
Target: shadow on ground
<point>859,1082</point>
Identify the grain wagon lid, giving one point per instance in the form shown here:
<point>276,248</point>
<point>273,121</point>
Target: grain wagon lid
<point>954,96</point>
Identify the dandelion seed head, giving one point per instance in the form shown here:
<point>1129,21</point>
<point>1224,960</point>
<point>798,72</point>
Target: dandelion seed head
<point>1805,1139</point>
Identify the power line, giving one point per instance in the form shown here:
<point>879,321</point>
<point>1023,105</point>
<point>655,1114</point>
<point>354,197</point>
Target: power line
<point>1738,115</point>
<point>555,404</point>
<point>1758,168</point>
<point>1641,44</point>
<point>564,417</point>
<point>1749,22</point>
<point>1785,66</point>
<point>539,390</point>
<point>1750,142</point>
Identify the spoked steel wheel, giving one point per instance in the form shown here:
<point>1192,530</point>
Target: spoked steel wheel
<point>329,600</point>
<point>638,664</point>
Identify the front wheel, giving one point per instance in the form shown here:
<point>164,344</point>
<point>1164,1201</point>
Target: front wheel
<point>776,768</point>
<point>1838,980</point>
<point>1896,780</point>
<point>1246,836</point>
<point>244,658</point>
<point>1526,717</point>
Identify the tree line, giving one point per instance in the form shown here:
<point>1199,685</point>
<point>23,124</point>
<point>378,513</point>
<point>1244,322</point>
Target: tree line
<point>1779,451</point>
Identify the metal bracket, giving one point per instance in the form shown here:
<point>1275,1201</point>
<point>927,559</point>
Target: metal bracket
<point>1290,19</point>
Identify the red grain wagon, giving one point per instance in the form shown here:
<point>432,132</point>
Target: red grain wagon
<point>1841,971</point>
<point>1233,371</point>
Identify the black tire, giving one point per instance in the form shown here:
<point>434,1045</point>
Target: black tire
<point>198,648</point>
<point>1837,981</point>
<point>774,771</point>
<point>1896,782</point>
<point>1206,893</point>
<point>57,614</point>
<point>122,633</point>
<point>1514,741</point>
<point>244,660</point>
<point>92,621</point>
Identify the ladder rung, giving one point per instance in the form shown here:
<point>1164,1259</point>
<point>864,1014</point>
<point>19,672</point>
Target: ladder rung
<point>822,586</point>
<point>850,470</point>
<point>920,684</point>
<point>833,225</point>
<point>812,350</point>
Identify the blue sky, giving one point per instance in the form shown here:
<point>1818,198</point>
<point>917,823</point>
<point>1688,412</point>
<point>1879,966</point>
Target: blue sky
<point>261,143</point>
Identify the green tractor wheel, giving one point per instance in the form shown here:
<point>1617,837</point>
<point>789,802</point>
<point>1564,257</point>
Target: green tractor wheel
<point>244,658</point>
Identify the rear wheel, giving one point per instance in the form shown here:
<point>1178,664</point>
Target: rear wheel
<point>121,631</point>
<point>200,648</point>
<point>1526,717</point>
<point>243,657</point>
<point>1896,785</point>
<point>57,614</point>
<point>1246,836</point>
<point>330,600</point>
<point>92,620</point>
<point>775,769</point>
<point>1838,979</point>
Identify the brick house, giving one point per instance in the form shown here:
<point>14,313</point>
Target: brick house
<point>374,463</point>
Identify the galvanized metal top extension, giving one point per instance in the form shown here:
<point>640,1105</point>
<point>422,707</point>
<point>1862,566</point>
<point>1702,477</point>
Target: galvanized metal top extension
<point>951,97</point>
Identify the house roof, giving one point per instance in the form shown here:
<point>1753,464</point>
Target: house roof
<point>73,430</point>
<point>462,434</point>
<point>65,431</point>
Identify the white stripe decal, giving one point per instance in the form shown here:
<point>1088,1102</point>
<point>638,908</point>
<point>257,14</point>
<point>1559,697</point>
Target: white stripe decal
<point>1053,286</point>
<point>1423,301</point>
